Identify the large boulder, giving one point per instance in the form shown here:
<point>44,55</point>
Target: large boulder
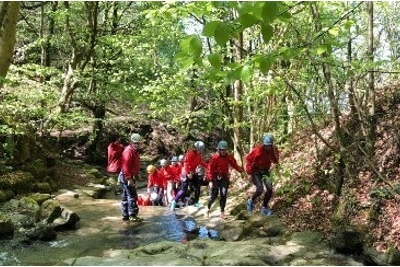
<point>6,227</point>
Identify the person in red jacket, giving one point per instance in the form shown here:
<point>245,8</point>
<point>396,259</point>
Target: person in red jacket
<point>156,181</point>
<point>130,168</point>
<point>192,160</point>
<point>176,170</point>
<point>218,175</point>
<point>114,153</point>
<point>258,164</point>
<point>167,175</point>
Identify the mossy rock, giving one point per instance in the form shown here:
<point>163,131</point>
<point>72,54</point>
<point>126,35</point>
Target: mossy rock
<point>6,195</point>
<point>37,168</point>
<point>42,187</point>
<point>29,203</point>
<point>19,182</point>
<point>39,197</point>
<point>94,172</point>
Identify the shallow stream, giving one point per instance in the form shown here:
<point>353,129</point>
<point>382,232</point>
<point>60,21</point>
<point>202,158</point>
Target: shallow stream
<point>101,231</point>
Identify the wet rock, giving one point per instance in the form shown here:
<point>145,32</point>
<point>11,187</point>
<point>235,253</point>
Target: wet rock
<point>6,195</point>
<point>348,242</point>
<point>42,187</point>
<point>96,191</point>
<point>51,210</point>
<point>40,197</point>
<point>42,232</point>
<point>394,257</point>
<point>68,221</point>
<point>6,227</point>
<point>232,231</point>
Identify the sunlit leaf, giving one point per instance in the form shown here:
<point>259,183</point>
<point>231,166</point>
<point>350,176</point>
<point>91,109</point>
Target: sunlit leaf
<point>209,28</point>
<point>334,31</point>
<point>248,20</point>
<point>270,11</point>
<point>222,34</point>
<point>215,60</point>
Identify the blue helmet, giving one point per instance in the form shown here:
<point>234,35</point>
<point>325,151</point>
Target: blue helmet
<point>268,140</point>
<point>222,145</point>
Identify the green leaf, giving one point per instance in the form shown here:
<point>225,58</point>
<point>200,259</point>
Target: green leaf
<point>246,72</point>
<point>245,8</point>
<point>285,17</point>
<point>248,20</point>
<point>209,28</point>
<point>222,34</point>
<point>196,46</point>
<point>215,60</point>
<point>334,31</point>
<point>266,31</point>
<point>322,49</point>
<point>264,64</point>
<point>270,11</point>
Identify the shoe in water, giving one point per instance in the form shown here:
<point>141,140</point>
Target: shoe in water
<point>266,211</point>
<point>135,219</point>
<point>198,205</point>
<point>250,205</point>
<point>125,218</point>
<point>173,205</point>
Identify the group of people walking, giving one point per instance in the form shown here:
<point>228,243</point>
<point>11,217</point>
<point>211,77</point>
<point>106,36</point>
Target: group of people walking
<point>185,174</point>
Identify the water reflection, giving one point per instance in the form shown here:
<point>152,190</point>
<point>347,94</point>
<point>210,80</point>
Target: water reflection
<point>102,230</point>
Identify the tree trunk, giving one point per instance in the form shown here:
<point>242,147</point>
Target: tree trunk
<point>238,108</point>
<point>8,23</point>
<point>371,78</point>
<point>333,108</point>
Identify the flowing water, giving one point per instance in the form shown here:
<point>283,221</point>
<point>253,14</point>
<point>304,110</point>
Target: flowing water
<point>101,230</point>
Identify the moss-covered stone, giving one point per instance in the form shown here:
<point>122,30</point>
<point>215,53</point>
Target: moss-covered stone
<point>37,168</point>
<point>19,182</point>
<point>6,195</point>
<point>43,187</point>
<point>95,172</point>
<point>6,227</point>
<point>40,198</point>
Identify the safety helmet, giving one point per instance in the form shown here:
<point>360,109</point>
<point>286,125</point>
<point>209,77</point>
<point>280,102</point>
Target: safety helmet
<point>268,140</point>
<point>174,159</point>
<point>163,162</point>
<point>151,169</point>
<point>136,138</point>
<point>222,145</point>
<point>200,170</point>
<point>154,196</point>
<point>180,158</point>
<point>199,145</point>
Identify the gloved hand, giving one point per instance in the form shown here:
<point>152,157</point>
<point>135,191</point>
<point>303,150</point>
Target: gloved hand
<point>148,190</point>
<point>131,182</point>
<point>210,184</point>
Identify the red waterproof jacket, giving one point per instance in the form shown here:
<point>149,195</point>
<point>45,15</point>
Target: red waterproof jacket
<point>259,159</point>
<point>219,165</point>
<point>167,174</point>
<point>192,160</point>
<point>176,170</point>
<point>130,161</point>
<point>114,153</point>
<point>154,179</point>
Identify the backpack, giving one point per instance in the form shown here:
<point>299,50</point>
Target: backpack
<point>114,154</point>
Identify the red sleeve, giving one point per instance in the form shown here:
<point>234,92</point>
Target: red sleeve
<point>250,161</point>
<point>233,163</point>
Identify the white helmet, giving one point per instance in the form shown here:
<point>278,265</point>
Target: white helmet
<point>199,145</point>
<point>163,162</point>
<point>136,138</point>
